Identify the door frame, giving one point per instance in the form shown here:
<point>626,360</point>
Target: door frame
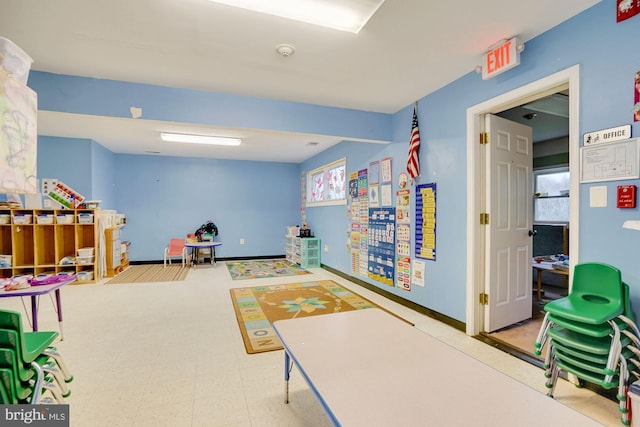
<point>567,78</point>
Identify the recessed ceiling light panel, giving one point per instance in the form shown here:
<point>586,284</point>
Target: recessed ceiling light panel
<point>199,139</point>
<point>343,15</point>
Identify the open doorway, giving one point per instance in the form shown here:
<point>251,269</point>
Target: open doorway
<point>548,117</point>
<point>564,83</point>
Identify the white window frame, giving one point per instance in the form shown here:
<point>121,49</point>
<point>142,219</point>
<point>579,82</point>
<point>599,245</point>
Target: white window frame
<point>547,171</point>
<point>323,172</point>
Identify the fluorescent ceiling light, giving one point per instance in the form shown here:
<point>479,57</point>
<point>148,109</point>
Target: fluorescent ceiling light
<point>199,139</point>
<point>343,15</point>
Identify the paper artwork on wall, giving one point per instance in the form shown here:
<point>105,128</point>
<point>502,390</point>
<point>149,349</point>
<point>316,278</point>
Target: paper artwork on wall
<point>385,195</point>
<point>636,98</point>
<point>385,169</point>
<point>417,272</point>
<point>374,172</point>
<point>374,195</point>
<point>353,185</point>
<point>18,136</point>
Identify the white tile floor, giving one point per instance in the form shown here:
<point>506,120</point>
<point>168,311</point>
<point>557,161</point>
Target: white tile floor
<point>171,354</point>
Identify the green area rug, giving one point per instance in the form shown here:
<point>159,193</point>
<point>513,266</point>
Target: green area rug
<point>258,269</point>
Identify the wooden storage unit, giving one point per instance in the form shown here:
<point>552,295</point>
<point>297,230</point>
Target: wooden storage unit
<point>117,259</point>
<point>37,244</point>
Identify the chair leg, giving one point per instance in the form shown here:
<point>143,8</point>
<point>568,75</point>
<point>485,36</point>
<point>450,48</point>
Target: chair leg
<point>542,334</point>
<point>631,325</point>
<point>551,382</point>
<point>37,384</point>
<point>48,385</point>
<point>52,369</point>
<point>53,353</point>
<point>623,383</point>
<point>614,354</point>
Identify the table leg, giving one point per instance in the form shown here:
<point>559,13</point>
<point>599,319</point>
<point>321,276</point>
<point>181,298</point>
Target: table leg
<point>287,371</point>
<point>59,304</point>
<point>34,312</point>
<point>539,284</point>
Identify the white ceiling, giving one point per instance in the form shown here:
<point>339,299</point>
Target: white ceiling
<point>407,50</point>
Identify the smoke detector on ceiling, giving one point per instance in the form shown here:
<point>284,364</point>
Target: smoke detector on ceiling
<point>285,50</point>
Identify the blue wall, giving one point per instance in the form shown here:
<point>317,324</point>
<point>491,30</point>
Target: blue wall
<point>603,49</point>
<point>67,160</point>
<point>103,169</point>
<point>165,197</point>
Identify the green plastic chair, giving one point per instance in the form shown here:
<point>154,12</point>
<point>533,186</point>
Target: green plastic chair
<point>596,296</point>
<point>596,299</point>
<point>18,392</point>
<point>595,374</point>
<point>6,398</point>
<point>596,358</point>
<point>7,388</point>
<point>34,344</point>
<point>45,364</point>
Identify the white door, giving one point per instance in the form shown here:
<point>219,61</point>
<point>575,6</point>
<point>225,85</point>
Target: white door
<point>508,277</point>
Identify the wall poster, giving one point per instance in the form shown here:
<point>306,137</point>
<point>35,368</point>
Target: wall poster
<point>381,241</point>
<point>374,195</point>
<point>636,98</point>
<point>385,167</point>
<point>426,221</point>
<point>374,172</point>
<point>403,273</point>
<point>363,183</point>
<point>364,231</point>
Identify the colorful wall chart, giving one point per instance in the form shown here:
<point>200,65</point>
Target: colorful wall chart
<point>382,232</point>
<point>364,232</point>
<point>403,273</point>
<point>426,221</point>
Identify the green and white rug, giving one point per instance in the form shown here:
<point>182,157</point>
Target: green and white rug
<point>259,269</point>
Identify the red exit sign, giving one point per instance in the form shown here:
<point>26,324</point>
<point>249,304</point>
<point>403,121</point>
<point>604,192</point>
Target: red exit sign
<point>500,58</point>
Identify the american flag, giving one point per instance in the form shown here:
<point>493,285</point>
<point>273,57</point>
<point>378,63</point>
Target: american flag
<point>413,162</point>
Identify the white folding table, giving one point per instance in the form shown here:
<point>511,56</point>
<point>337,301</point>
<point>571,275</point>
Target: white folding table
<point>369,368</point>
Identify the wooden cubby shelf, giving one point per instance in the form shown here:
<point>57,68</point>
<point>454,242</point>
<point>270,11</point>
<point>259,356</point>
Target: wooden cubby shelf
<point>36,241</point>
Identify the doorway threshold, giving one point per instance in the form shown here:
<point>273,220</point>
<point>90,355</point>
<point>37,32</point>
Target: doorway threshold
<point>610,394</point>
<point>510,349</point>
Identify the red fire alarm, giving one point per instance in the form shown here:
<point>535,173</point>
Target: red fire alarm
<point>626,196</point>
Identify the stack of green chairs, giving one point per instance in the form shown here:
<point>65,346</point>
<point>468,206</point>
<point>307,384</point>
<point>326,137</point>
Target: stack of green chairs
<point>592,332</point>
<point>29,364</point>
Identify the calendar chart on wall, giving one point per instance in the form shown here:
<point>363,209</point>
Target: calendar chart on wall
<point>382,236</point>
<point>426,221</point>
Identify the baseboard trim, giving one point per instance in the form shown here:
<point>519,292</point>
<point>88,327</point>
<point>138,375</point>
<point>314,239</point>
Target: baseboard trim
<point>244,258</point>
<point>395,298</point>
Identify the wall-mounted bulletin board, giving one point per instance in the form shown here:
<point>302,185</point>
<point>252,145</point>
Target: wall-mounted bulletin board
<point>426,221</point>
